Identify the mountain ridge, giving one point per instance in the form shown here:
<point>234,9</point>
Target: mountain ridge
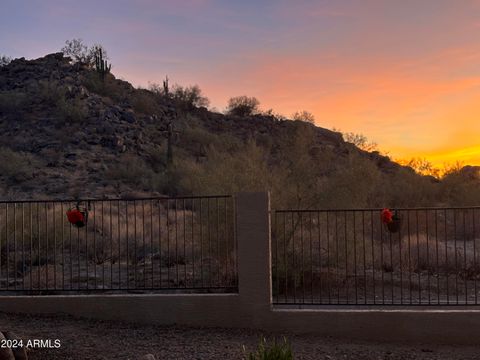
<point>71,134</point>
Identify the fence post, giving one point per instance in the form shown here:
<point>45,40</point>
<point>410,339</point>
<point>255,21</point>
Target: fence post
<point>254,263</point>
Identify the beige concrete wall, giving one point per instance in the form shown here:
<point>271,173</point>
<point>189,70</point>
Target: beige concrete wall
<point>194,310</point>
<point>251,307</point>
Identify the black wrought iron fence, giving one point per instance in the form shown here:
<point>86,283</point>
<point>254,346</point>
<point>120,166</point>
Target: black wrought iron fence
<point>353,257</point>
<point>185,243</point>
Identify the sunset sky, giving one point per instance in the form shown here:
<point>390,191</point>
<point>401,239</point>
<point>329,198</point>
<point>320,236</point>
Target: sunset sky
<point>404,73</point>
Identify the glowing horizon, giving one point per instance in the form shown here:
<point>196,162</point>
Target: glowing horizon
<point>405,74</point>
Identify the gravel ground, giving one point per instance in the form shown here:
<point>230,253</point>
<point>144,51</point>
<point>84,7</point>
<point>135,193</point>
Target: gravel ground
<point>86,339</point>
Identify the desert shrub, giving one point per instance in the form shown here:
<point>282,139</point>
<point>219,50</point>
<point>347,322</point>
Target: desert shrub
<point>459,189</point>
<point>72,110</point>
<point>197,139</point>
<point>421,166</point>
<point>157,157</point>
<point>189,97</point>
<point>110,87</point>
<point>15,166</point>
<point>243,106</point>
<point>270,351</point>
<point>223,172</point>
<point>145,102</point>
<point>131,170</point>
<point>355,184</point>
<point>304,116</point>
<point>12,101</point>
<point>67,109</point>
<point>360,141</point>
<point>50,92</point>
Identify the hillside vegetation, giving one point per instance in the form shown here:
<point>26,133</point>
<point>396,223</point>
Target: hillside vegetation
<point>68,132</point>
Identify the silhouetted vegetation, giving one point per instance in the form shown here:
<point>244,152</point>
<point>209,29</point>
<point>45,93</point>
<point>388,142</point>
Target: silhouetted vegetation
<point>304,116</point>
<point>81,53</point>
<point>243,106</point>
<point>189,97</point>
<point>360,141</point>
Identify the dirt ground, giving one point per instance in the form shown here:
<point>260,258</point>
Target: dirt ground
<point>86,339</point>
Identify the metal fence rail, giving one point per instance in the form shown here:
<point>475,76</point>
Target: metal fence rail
<point>181,244</point>
<point>349,257</point>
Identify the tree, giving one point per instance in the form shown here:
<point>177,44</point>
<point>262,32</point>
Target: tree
<point>189,96</point>
<point>243,106</point>
<point>77,50</point>
<point>5,60</point>
<point>304,116</point>
<point>421,166</point>
<point>81,53</point>
<point>360,141</point>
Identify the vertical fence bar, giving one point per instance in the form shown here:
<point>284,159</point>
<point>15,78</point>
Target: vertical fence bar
<point>474,255</point>
<point>185,244</point>
<point>119,247</point>
<point>111,245</point>
<point>319,258</point>
<point>311,258</point>
<point>7,247</point>
<point>436,255</point>
<point>456,260</point>
<point>346,255</point>
<point>465,277</point>
<point>364,259</point>
<point>418,260</point>
<point>285,254</point>
<point>201,242</point>
<point>446,258</point>
<point>87,275</point>
<point>302,256</point>
<point>400,240</point>
<point>15,246</point>
<point>355,255</point>
<point>193,240</point>
<point>382,264</point>
<point>428,257</point>
<point>1,246</point>
<point>373,259</point>
<point>337,254</point>
<point>144,254</point>
<point>151,244</point>
<point>294,273</point>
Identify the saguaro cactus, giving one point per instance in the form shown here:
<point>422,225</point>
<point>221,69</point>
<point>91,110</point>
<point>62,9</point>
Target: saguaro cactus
<point>165,86</point>
<point>101,65</point>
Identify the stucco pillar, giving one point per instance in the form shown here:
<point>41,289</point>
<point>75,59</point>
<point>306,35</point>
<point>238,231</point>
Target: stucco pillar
<point>254,264</point>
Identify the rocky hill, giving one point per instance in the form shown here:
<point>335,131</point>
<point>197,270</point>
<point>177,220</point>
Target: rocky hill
<point>66,132</point>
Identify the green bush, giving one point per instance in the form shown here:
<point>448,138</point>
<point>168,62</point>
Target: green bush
<point>271,351</point>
